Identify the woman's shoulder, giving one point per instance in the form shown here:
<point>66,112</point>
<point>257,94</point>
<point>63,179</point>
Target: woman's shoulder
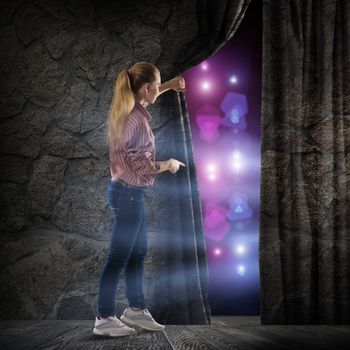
<point>134,125</point>
<point>136,118</point>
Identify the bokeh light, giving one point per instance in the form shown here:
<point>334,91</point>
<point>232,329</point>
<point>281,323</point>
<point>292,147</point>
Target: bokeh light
<point>224,110</point>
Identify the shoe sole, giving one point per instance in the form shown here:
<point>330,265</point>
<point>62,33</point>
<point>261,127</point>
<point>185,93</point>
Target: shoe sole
<point>127,321</point>
<point>98,332</point>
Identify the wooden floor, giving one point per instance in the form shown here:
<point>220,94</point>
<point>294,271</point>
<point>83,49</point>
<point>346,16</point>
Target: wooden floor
<point>225,332</point>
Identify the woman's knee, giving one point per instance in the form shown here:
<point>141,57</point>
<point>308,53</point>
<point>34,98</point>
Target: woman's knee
<point>117,256</point>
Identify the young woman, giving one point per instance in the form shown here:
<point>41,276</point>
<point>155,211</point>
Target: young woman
<point>133,169</point>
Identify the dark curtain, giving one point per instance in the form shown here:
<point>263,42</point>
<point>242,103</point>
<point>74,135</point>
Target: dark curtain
<point>305,174</point>
<point>214,24</point>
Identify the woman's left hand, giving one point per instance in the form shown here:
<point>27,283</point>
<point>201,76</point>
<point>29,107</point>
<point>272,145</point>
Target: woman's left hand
<point>177,84</point>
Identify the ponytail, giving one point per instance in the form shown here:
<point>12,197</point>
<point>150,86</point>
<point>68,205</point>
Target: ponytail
<point>128,83</point>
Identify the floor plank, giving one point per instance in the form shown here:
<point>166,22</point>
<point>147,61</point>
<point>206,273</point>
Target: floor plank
<point>33,335</point>
<point>301,336</point>
<point>145,339</point>
<point>82,337</point>
<point>224,333</point>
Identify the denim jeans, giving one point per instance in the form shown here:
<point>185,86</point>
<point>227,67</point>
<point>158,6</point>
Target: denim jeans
<point>128,247</point>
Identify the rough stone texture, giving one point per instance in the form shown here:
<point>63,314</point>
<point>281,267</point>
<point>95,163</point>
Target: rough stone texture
<point>305,176</point>
<point>45,185</point>
<point>21,135</point>
<point>12,206</point>
<point>59,61</point>
<point>14,168</point>
<point>38,77</point>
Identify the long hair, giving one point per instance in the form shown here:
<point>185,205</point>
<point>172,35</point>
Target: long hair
<point>127,85</point>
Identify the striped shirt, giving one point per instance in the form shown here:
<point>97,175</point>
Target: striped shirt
<point>134,160</point>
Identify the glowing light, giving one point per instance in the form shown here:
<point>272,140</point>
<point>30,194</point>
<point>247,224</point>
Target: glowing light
<point>208,119</point>
<point>239,208</point>
<point>206,85</point>
<point>241,270</point>
<point>204,65</point>
<point>236,162</point>
<point>235,107</point>
<point>237,166</point>
<point>211,167</point>
<point>212,171</point>
<point>212,177</point>
<point>233,79</point>
<point>217,251</point>
<point>234,116</point>
<point>240,249</point>
<point>216,225</point>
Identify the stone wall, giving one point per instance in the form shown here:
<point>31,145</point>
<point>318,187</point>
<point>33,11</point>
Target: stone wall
<point>60,60</point>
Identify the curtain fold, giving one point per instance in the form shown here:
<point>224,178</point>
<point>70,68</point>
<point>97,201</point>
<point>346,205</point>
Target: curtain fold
<point>305,190</point>
<point>214,24</point>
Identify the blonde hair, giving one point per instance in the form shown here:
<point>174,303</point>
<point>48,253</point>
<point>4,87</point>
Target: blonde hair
<point>128,83</point>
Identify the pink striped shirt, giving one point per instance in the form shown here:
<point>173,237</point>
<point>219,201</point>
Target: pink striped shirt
<point>134,160</point>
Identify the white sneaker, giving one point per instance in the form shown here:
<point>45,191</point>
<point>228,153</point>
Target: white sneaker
<point>112,326</point>
<point>141,318</point>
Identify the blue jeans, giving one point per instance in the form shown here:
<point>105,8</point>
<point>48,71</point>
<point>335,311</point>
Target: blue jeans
<point>128,247</point>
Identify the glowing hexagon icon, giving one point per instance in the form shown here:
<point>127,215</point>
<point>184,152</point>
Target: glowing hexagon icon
<point>208,119</point>
<point>215,223</point>
<point>239,208</point>
<point>235,107</point>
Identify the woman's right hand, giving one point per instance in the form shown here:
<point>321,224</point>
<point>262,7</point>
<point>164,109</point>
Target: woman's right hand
<point>174,165</point>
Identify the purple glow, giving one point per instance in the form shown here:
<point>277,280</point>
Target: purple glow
<point>233,79</point>
<point>216,226</point>
<point>239,208</point>
<point>241,270</point>
<point>206,85</point>
<point>235,107</point>
<point>236,161</point>
<point>227,149</point>
<point>217,251</point>
<point>208,120</point>
<point>240,249</point>
<point>204,65</point>
<point>212,172</point>
<point>212,176</point>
